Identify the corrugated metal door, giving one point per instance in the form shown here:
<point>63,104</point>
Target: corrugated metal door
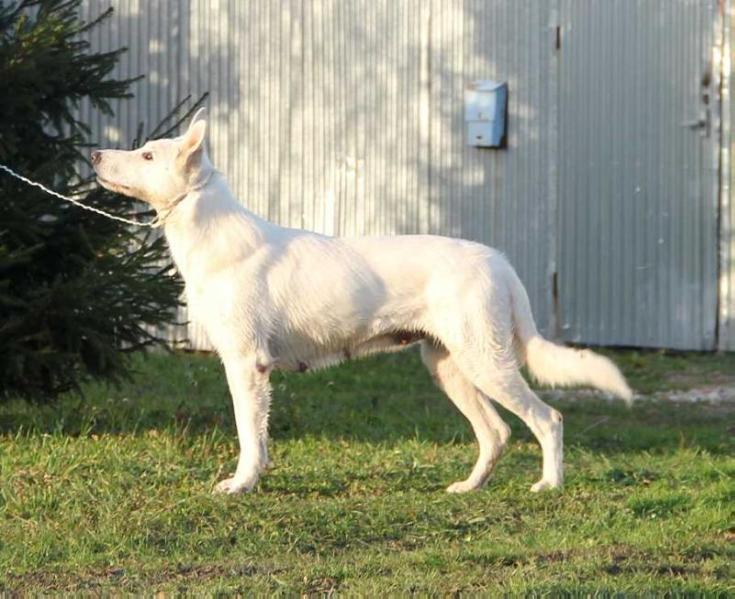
<point>638,139</point>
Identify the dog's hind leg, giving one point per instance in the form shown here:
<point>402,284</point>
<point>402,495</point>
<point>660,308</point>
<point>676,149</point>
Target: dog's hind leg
<point>250,389</point>
<point>491,432</point>
<point>502,381</point>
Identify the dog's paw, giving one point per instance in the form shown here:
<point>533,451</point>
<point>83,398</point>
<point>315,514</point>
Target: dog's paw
<point>543,485</point>
<point>232,486</point>
<point>462,486</point>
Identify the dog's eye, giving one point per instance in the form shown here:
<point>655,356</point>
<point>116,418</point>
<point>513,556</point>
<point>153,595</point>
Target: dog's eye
<point>147,155</point>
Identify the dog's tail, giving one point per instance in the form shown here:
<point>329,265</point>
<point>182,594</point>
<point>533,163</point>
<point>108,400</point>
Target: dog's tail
<point>554,365</point>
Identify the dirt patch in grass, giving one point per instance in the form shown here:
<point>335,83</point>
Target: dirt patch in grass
<point>692,379</point>
<point>707,393</point>
<point>711,393</point>
<point>120,577</point>
<point>657,569</point>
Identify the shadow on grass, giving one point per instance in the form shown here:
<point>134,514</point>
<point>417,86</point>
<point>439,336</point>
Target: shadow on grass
<point>379,400</point>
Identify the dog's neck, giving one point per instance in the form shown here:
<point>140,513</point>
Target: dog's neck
<point>209,227</point>
<point>165,213</point>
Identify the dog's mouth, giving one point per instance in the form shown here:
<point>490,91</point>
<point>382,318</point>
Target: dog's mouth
<point>116,187</point>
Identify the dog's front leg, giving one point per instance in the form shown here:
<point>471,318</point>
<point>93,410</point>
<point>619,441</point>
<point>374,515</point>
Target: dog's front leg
<point>248,378</point>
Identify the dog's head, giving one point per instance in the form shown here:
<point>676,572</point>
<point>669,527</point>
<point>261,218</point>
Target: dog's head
<point>158,172</point>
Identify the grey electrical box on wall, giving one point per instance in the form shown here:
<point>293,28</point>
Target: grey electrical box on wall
<point>486,104</point>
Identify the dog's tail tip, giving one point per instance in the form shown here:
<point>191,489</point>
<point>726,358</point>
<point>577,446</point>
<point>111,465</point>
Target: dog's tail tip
<point>564,366</point>
<point>626,394</point>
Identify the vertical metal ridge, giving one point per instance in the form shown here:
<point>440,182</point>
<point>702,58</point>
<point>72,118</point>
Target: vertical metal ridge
<point>726,332</point>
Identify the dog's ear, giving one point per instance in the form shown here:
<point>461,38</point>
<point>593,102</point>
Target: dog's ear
<point>198,116</point>
<point>192,144</point>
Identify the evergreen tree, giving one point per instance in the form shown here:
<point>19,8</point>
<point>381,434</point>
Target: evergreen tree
<point>77,290</point>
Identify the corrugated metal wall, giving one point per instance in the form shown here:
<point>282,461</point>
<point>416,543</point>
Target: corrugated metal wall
<point>638,177</point>
<point>505,198</point>
<point>346,117</point>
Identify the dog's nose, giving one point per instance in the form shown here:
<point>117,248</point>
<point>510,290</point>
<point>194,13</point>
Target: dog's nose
<point>96,157</point>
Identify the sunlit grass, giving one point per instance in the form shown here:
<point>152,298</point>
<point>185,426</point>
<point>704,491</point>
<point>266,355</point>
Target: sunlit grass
<point>113,490</point>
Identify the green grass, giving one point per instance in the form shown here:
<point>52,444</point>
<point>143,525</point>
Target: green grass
<point>113,491</point>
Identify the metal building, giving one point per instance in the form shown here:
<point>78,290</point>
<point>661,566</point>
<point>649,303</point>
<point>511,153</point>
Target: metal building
<point>611,196</point>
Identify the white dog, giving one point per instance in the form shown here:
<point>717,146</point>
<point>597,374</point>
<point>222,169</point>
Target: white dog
<point>275,298</point>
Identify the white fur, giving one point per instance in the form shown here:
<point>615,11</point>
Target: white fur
<point>276,298</point>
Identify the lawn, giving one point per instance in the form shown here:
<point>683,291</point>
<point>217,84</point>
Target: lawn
<point>112,491</point>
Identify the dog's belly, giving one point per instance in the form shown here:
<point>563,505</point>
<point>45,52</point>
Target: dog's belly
<point>301,357</point>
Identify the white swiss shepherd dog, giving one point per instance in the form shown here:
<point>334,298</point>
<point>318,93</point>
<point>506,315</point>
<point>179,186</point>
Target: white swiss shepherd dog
<point>276,298</point>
